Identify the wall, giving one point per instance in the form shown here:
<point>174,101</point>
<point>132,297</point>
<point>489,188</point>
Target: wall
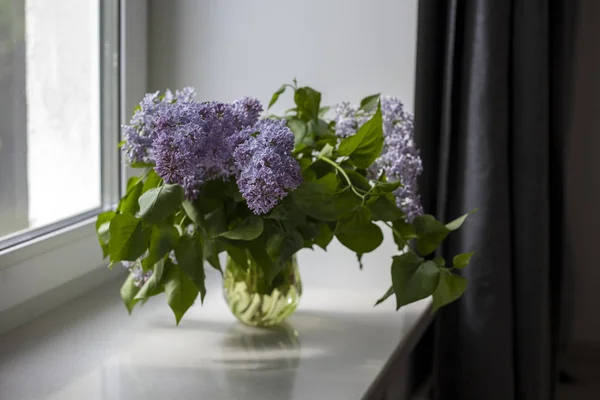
<point>347,49</point>
<point>230,48</point>
<point>582,189</point>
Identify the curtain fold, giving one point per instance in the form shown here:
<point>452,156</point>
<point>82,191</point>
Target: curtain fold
<point>491,108</point>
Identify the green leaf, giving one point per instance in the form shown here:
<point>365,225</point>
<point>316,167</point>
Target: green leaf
<point>384,208</point>
<point>193,212</point>
<point>324,141</point>
<point>309,175</point>
<point>153,285</point>
<point>323,131</point>
<point>439,261</point>
<point>298,128</point>
<point>282,246</point>
<point>385,187</point>
<point>308,231</point>
<point>249,229</point>
<point>103,230</point>
<point>237,254</point>
<point>159,203</point>
<point>163,239</point>
<point>449,288</point>
<point>413,279</point>
<point>129,202</point>
<point>387,294</point>
<point>462,260</point>
<point>288,214</point>
<point>358,180</point>
<point>216,222</point>
<point>430,233</point>
<point>308,103</point>
<point>323,168</point>
<point>346,203</point>
<point>317,198</point>
<point>257,248</point>
<point>326,151</point>
<point>366,145</point>
<point>128,239</point>
<point>457,223</point>
<point>454,225</point>
<point>141,165</point>
<point>324,237</point>
<point>405,229</point>
<point>211,251</point>
<point>369,103</point>
<point>181,292</point>
<point>323,111</point>
<point>128,293</point>
<point>305,163</point>
<point>152,181</point>
<point>358,233</point>
<point>190,260</point>
<point>276,95</point>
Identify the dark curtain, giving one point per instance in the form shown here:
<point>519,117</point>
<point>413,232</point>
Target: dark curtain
<point>491,110</point>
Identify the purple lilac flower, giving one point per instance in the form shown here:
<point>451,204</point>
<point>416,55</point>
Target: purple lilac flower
<point>135,268</point>
<point>247,111</point>
<point>140,132</point>
<point>191,142</point>
<point>400,158</point>
<point>195,143</point>
<point>267,169</point>
<point>176,157</point>
<point>347,121</point>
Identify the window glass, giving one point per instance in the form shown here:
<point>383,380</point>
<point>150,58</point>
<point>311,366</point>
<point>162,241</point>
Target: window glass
<point>49,112</point>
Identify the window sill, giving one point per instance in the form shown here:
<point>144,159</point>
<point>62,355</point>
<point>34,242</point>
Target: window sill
<point>46,272</point>
<point>336,345</point>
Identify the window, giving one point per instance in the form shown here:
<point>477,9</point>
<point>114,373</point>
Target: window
<point>51,80</point>
<point>60,72</point>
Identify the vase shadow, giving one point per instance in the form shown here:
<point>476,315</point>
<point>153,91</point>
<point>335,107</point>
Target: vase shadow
<point>264,359</point>
<point>276,347</point>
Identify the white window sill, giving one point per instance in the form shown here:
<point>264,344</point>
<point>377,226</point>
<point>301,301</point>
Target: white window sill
<point>46,272</point>
<point>92,349</point>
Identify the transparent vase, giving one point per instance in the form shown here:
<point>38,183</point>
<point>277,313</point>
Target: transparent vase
<point>253,300</point>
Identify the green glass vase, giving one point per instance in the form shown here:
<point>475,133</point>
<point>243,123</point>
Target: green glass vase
<point>253,300</point>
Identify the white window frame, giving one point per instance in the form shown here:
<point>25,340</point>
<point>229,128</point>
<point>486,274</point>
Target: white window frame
<point>46,271</point>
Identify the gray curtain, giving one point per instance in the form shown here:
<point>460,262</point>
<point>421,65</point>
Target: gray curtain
<point>491,108</point>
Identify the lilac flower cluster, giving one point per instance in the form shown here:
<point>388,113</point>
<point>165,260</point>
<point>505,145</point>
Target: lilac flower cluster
<point>135,268</point>
<point>140,133</point>
<point>194,143</point>
<point>348,119</point>
<point>191,142</point>
<point>400,158</point>
<point>246,111</point>
<point>267,170</point>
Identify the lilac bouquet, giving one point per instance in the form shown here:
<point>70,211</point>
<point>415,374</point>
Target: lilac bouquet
<point>217,178</point>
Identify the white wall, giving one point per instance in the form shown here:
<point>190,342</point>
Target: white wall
<point>347,49</point>
<point>230,48</point>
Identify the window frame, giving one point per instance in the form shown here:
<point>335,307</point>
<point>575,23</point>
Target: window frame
<point>35,271</point>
